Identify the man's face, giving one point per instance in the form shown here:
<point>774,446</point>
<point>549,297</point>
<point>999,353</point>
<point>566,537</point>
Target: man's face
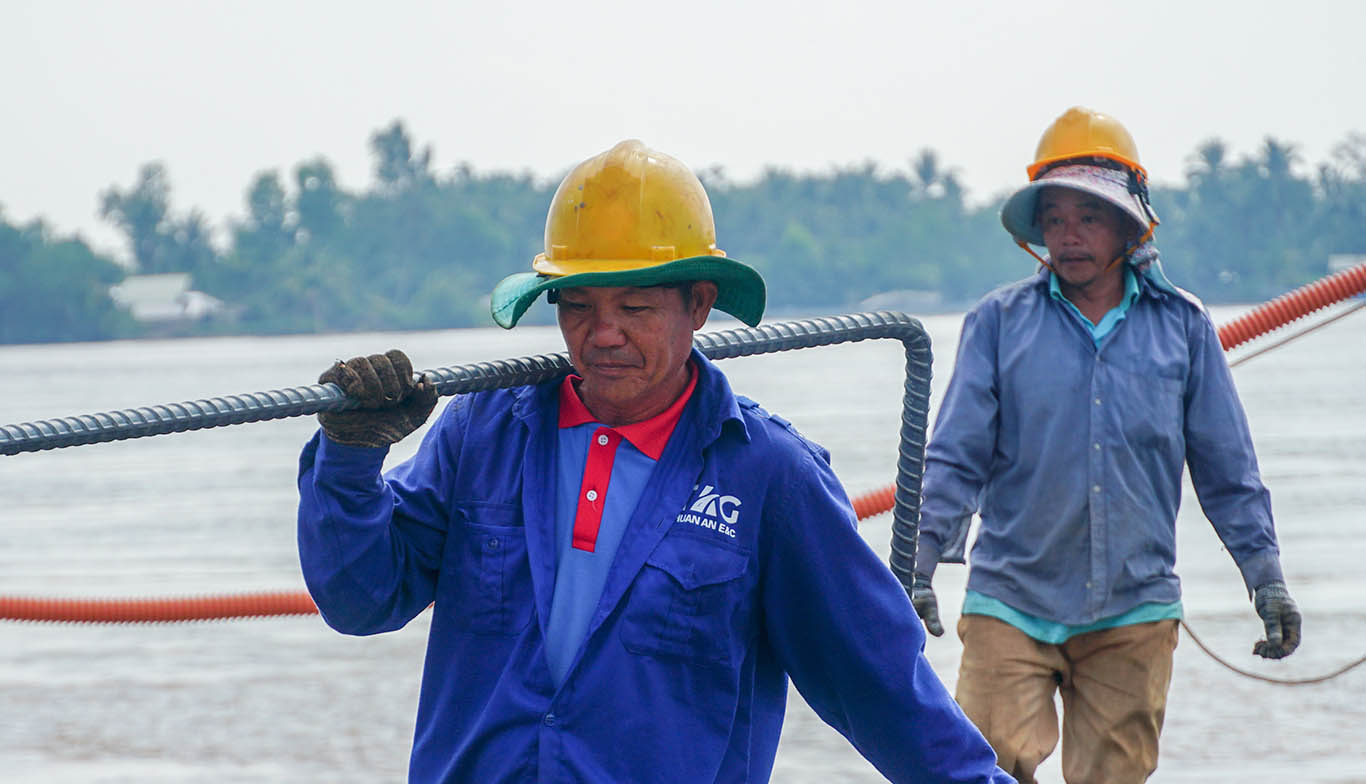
<point>631,345</point>
<point>1084,234</point>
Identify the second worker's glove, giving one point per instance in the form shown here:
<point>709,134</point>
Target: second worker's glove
<point>1282,618</point>
<point>926,604</point>
<point>392,405</point>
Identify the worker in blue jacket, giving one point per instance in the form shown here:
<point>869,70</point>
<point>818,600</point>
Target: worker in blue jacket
<point>1077,398</point>
<point>624,565</point>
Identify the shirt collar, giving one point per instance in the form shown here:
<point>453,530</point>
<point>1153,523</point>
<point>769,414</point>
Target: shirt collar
<point>649,436</point>
<point>1130,287</point>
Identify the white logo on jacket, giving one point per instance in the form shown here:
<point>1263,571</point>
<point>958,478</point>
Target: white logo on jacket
<point>713,510</point>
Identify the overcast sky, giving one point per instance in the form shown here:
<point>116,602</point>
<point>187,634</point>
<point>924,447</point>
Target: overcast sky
<point>219,91</point>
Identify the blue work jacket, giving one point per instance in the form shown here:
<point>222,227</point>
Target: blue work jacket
<point>740,566</point>
<point>1073,454</point>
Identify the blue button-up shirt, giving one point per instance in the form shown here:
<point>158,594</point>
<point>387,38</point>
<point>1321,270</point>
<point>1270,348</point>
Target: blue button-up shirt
<point>1073,453</point>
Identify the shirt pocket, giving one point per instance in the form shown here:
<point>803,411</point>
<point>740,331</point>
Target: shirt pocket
<point>1152,413</point>
<point>687,602</point>
<point>485,583</point>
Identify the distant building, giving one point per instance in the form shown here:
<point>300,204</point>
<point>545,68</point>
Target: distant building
<point>163,299</point>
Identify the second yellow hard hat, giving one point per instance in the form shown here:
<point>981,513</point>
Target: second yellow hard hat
<point>1084,133</point>
<point>1086,151</point>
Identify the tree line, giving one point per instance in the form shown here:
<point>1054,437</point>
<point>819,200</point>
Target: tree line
<point>421,249</point>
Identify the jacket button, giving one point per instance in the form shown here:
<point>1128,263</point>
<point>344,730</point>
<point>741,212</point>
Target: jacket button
<point>549,720</point>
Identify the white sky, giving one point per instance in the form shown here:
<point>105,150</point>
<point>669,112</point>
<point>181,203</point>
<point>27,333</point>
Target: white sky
<point>219,91</point>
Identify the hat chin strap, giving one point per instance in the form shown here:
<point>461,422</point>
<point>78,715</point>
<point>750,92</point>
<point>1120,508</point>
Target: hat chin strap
<point>1030,251</point>
<point>1133,246</point>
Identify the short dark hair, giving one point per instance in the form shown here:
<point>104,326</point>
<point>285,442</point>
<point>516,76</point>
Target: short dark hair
<point>684,287</point>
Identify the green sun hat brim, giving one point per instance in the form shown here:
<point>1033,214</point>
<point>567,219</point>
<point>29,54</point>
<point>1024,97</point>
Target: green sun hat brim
<point>740,289</point>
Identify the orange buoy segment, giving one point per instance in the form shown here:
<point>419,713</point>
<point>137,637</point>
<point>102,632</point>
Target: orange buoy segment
<point>195,608</point>
<point>1293,305</point>
<point>875,502</point>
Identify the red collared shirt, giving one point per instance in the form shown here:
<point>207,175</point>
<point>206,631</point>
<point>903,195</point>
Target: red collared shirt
<point>649,436</point>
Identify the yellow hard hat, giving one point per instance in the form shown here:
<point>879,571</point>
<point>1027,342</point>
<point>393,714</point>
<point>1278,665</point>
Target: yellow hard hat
<point>1067,157</point>
<point>1085,133</point>
<point>630,216</point>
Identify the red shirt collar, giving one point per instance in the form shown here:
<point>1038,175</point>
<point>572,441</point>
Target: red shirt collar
<point>649,436</point>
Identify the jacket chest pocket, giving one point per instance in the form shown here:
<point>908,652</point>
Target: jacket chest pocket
<point>485,583</point>
<point>689,601</point>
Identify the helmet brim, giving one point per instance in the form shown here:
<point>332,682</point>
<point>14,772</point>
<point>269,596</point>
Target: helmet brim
<point>740,289</point>
<point>1018,213</point>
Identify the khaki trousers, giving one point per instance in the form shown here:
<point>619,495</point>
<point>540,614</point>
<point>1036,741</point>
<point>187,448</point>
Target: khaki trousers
<point>1114,695</point>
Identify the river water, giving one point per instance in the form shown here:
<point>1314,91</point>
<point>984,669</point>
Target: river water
<point>287,699</point>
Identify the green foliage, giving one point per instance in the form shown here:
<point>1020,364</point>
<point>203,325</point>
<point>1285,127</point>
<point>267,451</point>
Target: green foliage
<point>1248,230</point>
<point>55,289</point>
<point>833,240</point>
<point>417,252</point>
<point>159,241</point>
<point>421,249</point>
<point>397,167</point>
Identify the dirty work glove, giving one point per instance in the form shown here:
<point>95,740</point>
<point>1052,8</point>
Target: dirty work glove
<point>925,604</point>
<point>391,405</point>
<point>1282,618</point>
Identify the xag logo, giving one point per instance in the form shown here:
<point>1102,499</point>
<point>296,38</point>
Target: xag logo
<point>726,507</point>
<point>713,510</point>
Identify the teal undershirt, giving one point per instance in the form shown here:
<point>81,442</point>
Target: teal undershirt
<point>1055,633</point>
<point>1110,320</point>
<point>1041,629</point>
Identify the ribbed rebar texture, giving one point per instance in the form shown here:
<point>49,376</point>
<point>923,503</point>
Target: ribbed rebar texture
<point>256,406</point>
<point>915,401</point>
<point>726,344</point>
